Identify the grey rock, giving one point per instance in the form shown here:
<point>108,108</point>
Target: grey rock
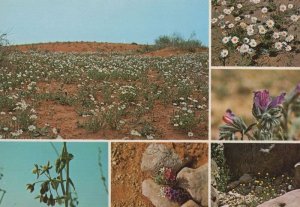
<point>157,156</point>
<point>250,158</point>
<point>190,203</point>
<point>195,181</point>
<point>214,172</point>
<point>214,197</point>
<point>233,185</point>
<point>245,179</point>
<point>152,191</point>
<point>297,175</point>
<point>290,199</point>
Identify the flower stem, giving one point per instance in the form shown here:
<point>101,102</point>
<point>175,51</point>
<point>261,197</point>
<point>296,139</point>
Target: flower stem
<point>67,174</point>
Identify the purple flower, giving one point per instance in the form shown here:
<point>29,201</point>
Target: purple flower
<point>228,117</point>
<point>263,101</point>
<point>175,194</point>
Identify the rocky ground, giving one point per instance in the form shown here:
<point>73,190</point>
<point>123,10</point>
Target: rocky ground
<point>246,176</point>
<point>132,174</point>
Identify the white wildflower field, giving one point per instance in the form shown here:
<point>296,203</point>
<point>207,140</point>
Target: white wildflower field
<point>96,95</point>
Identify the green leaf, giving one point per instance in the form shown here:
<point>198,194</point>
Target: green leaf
<point>71,182</point>
<point>54,184</point>
<point>57,165</point>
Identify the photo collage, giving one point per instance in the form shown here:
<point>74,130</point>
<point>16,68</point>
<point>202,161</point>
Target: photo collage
<point>150,103</point>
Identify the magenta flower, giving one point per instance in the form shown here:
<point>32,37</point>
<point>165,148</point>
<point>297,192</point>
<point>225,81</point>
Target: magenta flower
<point>228,117</point>
<point>169,174</point>
<point>263,101</point>
<point>175,194</point>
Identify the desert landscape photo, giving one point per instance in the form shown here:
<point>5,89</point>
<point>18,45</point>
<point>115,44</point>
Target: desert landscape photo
<point>100,80</point>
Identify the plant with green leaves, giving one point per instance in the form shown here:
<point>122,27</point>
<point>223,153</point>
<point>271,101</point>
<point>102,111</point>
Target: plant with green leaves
<point>2,191</point>
<point>276,118</point>
<point>222,174</point>
<point>3,48</point>
<point>55,189</point>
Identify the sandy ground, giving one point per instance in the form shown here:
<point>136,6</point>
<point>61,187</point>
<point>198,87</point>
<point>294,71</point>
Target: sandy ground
<point>127,177</point>
<point>79,47</point>
<point>233,89</point>
<point>100,47</point>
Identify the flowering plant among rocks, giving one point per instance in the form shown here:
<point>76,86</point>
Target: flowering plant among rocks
<point>167,178</point>
<point>276,118</point>
<point>175,194</point>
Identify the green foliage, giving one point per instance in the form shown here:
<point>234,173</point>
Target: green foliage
<point>223,175</point>
<point>185,120</point>
<point>2,191</point>
<point>102,177</point>
<point>3,48</point>
<point>50,184</point>
<point>94,124</point>
<point>177,41</point>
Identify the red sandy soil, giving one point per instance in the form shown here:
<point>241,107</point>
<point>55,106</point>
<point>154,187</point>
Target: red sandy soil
<point>79,47</point>
<point>100,47</point>
<point>166,52</point>
<point>127,177</point>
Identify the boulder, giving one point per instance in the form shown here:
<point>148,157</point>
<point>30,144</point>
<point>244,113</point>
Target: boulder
<point>260,158</point>
<point>232,185</point>
<point>290,199</point>
<point>157,156</point>
<point>214,197</point>
<point>152,191</point>
<point>214,172</point>
<point>195,181</point>
<point>297,176</point>
<point>245,179</point>
<point>190,203</point>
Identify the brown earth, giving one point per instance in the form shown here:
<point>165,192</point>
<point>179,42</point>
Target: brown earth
<point>78,47</point>
<point>166,52</point>
<point>101,47</point>
<point>126,174</point>
<point>234,89</point>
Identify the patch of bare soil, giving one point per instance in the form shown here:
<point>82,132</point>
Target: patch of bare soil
<point>78,47</point>
<point>127,177</point>
<point>166,52</point>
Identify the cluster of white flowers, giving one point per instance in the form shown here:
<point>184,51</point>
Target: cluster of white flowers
<point>254,29</point>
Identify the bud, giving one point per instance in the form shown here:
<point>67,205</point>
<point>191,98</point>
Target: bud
<point>45,199</point>
<point>233,124</point>
<point>30,187</point>
<point>228,117</point>
<point>293,95</point>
